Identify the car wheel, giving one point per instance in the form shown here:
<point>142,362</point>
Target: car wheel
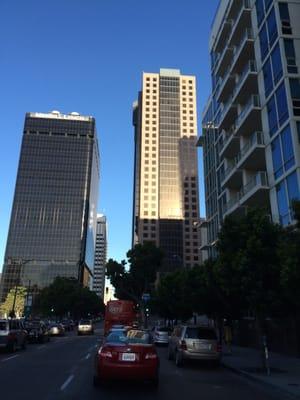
<point>216,364</point>
<point>169,354</point>
<point>155,383</point>
<point>24,345</point>
<point>96,381</point>
<point>178,359</point>
<point>12,347</point>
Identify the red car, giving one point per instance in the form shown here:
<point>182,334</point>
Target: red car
<point>130,356</point>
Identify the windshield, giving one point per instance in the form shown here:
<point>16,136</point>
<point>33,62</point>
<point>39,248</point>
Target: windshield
<point>85,322</point>
<point>200,333</point>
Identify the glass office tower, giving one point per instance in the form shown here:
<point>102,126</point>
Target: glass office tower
<point>53,220</point>
<point>100,256</point>
<point>251,124</point>
<point>166,194</point>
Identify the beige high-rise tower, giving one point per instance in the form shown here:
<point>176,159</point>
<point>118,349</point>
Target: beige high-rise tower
<point>166,194</point>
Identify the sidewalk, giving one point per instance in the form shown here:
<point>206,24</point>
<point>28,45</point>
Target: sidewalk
<point>285,370</point>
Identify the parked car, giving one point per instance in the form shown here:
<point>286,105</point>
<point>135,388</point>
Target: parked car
<point>12,334</point>
<point>161,334</point>
<point>67,325</point>
<point>194,343</point>
<point>85,327</point>
<point>56,329</point>
<point>38,331</point>
<point>127,357</point>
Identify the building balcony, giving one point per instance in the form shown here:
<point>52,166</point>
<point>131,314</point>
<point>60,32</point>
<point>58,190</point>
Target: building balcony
<point>233,177</point>
<point>254,194</point>
<point>222,38</point>
<point>228,114</point>
<point>226,86</point>
<point>230,146</point>
<point>242,20</point>
<point>252,154</point>
<point>246,83</point>
<point>243,51</point>
<point>249,118</point>
<point>225,60</point>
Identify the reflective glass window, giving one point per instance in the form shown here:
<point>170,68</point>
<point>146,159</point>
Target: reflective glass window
<point>282,106</point>
<point>287,148</point>
<point>272,27</point>
<point>277,158</point>
<point>292,187</point>
<point>268,80</point>
<point>272,116</point>
<point>263,40</point>
<point>276,64</point>
<point>260,12</point>
<point>282,202</point>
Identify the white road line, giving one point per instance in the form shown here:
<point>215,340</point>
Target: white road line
<point>63,387</point>
<point>9,358</point>
<point>87,356</point>
<point>41,347</point>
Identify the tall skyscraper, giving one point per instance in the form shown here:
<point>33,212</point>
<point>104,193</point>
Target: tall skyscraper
<point>251,126</point>
<point>53,221</point>
<point>100,256</point>
<point>166,195</point>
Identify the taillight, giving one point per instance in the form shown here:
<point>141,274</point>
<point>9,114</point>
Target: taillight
<point>183,345</point>
<point>150,356</point>
<point>104,353</point>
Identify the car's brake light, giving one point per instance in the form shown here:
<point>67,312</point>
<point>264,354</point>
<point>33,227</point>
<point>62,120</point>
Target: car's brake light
<point>150,356</point>
<point>104,353</point>
<point>183,345</point>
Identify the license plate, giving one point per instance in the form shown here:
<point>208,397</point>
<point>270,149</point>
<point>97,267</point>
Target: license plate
<point>204,347</point>
<point>128,357</point>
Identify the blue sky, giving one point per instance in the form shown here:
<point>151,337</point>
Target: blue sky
<point>88,56</point>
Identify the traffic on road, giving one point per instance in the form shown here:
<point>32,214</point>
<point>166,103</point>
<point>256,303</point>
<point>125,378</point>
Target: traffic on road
<point>126,363</point>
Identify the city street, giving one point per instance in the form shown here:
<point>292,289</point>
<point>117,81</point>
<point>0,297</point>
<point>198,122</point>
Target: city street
<point>63,369</point>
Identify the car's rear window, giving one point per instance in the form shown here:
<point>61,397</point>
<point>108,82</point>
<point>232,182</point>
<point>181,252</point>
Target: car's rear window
<point>163,329</point>
<point>85,322</point>
<point>200,333</point>
<point>138,337</point>
<point>116,337</point>
<point>3,325</point>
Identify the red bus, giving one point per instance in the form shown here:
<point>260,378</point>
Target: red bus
<point>119,312</point>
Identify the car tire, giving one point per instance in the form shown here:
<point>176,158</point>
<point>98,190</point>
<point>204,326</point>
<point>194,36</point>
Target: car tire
<point>78,334</point>
<point>96,381</point>
<point>170,356</point>
<point>216,364</point>
<point>24,344</point>
<point>155,383</point>
<point>12,347</point>
<point>178,359</point>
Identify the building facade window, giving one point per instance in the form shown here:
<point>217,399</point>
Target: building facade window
<point>290,56</point>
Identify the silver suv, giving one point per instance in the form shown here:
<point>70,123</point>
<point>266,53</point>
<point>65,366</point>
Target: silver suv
<point>194,343</point>
<point>12,334</point>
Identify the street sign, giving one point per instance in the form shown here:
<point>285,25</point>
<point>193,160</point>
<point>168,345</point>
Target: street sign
<point>146,296</point>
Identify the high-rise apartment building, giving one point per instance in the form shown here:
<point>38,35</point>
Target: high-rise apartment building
<point>166,195</point>
<point>251,124</point>
<point>100,256</point>
<point>53,220</point>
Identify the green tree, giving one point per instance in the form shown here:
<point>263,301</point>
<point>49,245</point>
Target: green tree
<point>173,297</point>
<point>144,261</point>
<point>248,268</point>
<point>16,295</point>
<point>66,296</point>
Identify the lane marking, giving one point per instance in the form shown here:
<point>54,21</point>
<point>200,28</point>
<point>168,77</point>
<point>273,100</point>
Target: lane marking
<point>9,358</point>
<point>87,356</point>
<point>67,382</point>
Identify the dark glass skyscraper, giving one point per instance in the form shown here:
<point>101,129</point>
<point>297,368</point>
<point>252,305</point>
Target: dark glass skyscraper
<point>53,220</point>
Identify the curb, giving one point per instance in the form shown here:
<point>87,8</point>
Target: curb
<point>262,382</point>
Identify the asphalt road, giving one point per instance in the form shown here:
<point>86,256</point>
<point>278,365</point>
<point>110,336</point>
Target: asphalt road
<point>63,369</point>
